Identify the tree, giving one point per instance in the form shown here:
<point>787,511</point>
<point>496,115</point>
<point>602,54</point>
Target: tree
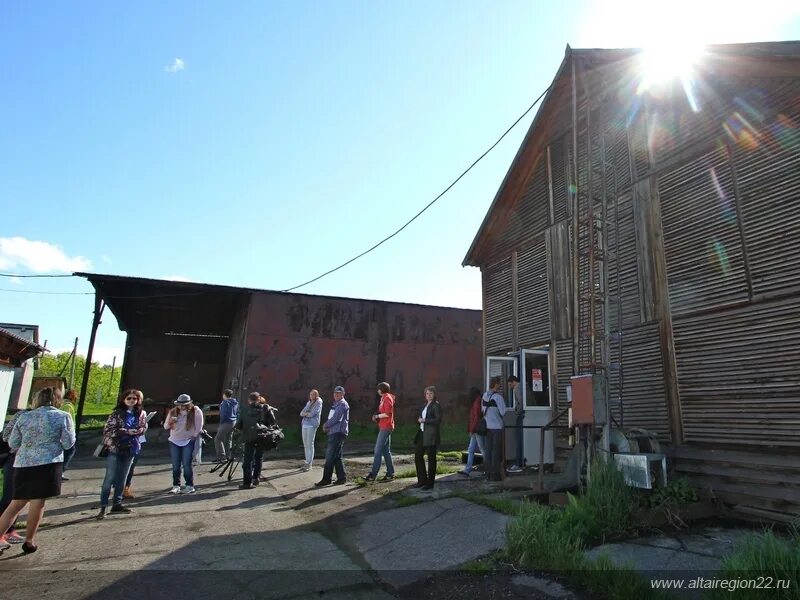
<point>103,384</point>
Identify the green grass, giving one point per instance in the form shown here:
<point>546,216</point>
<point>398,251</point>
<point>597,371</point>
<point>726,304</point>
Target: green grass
<point>453,455</point>
<point>763,555</point>
<point>553,539</point>
<point>408,501</point>
<point>480,566</point>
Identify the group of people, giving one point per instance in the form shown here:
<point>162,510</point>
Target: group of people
<point>38,441</point>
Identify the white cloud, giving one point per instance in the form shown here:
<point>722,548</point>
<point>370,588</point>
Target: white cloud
<point>176,65</point>
<point>39,257</point>
<point>105,259</point>
<point>16,280</point>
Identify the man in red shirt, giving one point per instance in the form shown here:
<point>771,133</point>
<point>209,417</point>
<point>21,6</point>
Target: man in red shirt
<point>383,444</point>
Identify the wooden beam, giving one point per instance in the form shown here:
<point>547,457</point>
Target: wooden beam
<point>99,305</point>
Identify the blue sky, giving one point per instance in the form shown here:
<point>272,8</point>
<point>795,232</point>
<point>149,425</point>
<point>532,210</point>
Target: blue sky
<point>259,144</point>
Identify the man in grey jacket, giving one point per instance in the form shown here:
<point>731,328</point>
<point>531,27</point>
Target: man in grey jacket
<point>228,413</point>
<point>337,428</point>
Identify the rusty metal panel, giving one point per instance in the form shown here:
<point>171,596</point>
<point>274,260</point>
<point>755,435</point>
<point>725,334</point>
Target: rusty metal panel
<point>533,305</point>
<point>702,243</point>
<point>498,308</point>
<point>295,343</point>
<point>738,374</point>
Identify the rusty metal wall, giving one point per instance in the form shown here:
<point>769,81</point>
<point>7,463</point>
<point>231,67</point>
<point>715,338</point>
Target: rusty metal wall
<point>296,343</point>
<point>236,345</point>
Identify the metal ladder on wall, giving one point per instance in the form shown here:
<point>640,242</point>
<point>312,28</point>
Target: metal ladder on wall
<point>596,183</point>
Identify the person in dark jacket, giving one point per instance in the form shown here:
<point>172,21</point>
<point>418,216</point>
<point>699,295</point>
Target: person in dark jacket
<point>256,415</point>
<point>476,441</point>
<point>428,439</point>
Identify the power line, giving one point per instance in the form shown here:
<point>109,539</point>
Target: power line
<point>27,276</point>
<point>48,293</point>
<point>431,203</point>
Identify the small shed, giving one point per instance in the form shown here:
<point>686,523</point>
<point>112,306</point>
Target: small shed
<point>15,353</point>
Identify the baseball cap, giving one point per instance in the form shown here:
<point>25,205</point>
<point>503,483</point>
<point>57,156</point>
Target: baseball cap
<point>338,388</point>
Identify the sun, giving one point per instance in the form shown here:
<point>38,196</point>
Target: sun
<point>663,63</point>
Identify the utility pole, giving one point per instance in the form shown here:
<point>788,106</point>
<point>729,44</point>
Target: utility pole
<point>72,368</point>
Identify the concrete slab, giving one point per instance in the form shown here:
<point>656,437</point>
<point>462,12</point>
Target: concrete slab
<point>397,543</point>
<point>697,551</point>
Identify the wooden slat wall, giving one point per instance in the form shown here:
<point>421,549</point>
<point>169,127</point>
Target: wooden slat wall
<point>738,374</point>
<point>768,176</point>
<point>498,306</point>
<point>532,294</point>
<point>558,159</point>
<point>644,394</point>
<point>564,368</point>
<point>764,484</point>
<point>559,268</point>
<point>705,264</point>
<point>623,271</point>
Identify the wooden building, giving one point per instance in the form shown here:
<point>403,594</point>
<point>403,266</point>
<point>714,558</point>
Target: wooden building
<point>651,231</point>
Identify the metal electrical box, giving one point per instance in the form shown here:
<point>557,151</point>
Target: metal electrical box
<point>589,393</point>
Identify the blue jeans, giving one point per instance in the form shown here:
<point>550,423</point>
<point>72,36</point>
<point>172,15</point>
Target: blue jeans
<point>475,442</point>
<point>68,454</point>
<point>251,463</point>
<point>333,457</point>
<point>182,457</point>
<point>519,432</point>
<point>117,466</point>
<point>383,450</point>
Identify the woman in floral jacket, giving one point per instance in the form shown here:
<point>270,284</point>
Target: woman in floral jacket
<point>121,439</point>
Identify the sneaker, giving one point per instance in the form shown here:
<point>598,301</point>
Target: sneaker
<point>12,537</point>
<point>387,478</point>
<point>339,482</point>
<point>64,478</point>
<point>246,486</point>
<point>256,482</point>
<point>514,469</point>
<point>4,545</point>
<point>323,482</point>
<point>189,489</point>
<point>369,477</point>
<point>118,509</point>
<point>176,489</point>
<point>464,472</point>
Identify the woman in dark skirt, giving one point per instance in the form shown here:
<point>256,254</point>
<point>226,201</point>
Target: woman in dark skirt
<point>38,438</point>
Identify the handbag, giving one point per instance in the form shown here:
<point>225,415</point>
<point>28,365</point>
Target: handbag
<point>101,451</point>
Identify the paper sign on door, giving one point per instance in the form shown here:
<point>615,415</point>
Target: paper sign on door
<point>536,380</point>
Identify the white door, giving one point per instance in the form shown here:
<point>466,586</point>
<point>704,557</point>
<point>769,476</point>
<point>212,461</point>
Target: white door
<point>537,397</point>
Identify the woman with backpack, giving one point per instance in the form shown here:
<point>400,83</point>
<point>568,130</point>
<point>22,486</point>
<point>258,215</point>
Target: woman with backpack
<point>256,416</point>
<point>121,441</point>
<point>493,407</point>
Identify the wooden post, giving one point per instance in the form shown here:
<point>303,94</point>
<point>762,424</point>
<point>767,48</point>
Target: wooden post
<point>72,368</point>
<point>99,305</point>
